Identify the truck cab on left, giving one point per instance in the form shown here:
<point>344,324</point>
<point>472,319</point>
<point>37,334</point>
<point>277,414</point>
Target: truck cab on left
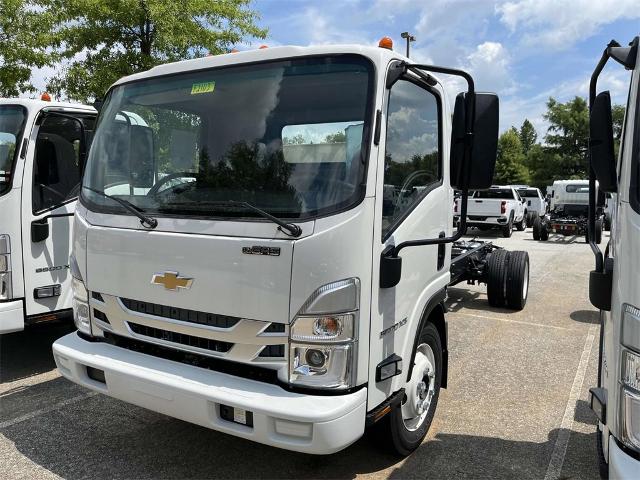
<point>43,148</point>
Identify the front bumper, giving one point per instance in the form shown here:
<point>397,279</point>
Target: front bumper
<point>11,316</point>
<point>621,464</point>
<point>293,421</point>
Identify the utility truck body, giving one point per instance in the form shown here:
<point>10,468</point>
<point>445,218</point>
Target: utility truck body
<point>240,267</point>
<point>613,285</point>
<point>42,147</point>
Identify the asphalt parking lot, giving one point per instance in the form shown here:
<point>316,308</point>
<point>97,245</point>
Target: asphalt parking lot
<point>516,406</point>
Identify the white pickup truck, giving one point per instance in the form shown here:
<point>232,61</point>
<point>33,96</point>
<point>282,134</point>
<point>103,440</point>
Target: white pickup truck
<point>536,203</point>
<point>496,207</point>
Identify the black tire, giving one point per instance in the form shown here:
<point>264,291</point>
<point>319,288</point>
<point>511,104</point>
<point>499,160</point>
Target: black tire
<point>544,232</point>
<point>603,466</point>
<point>507,230</point>
<point>517,280</point>
<point>598,231</point>
<point>392,426</point>
<point>537,226</point>
<point>522,224</point>
<point>497,277</point>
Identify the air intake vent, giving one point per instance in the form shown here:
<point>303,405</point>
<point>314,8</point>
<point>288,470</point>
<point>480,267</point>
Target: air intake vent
<point>181,338</point>
<point>97,296</point>
<point>182,314</point>
<point>272,351</point>
<point>100,316</point>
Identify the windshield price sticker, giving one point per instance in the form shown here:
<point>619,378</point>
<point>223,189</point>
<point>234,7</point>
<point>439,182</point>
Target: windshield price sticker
<point>204,87</point>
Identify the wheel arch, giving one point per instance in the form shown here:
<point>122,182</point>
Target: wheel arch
<point>434,312</point>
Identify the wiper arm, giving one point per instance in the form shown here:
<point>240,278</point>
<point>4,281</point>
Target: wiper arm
<point>144,219</point>
<point>290,229</point>
<point>293,229</point>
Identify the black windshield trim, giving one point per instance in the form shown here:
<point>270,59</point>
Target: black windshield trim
<point>18,150</point>
<point>367,137</point>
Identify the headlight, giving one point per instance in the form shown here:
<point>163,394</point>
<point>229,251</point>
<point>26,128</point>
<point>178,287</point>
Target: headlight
<point>630,399</point>
<point>80,306</point>
<point>5,268</point>
<point>323,338</point>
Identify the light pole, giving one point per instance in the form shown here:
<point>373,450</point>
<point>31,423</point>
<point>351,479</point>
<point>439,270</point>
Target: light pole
<point>409,38</point>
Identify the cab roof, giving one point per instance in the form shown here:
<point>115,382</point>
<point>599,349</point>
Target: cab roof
<point>379,56</point>
<point>36,105</point>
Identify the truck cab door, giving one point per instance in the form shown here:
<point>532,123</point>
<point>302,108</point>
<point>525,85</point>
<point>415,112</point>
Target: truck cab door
<point>50,188</point>
<point>413,201</point>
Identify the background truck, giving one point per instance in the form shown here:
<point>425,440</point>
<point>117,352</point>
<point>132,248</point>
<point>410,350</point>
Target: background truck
<point>536,203</point>
<point>497,207</point>
<point>290,296</point>
<point>613,284</point>
<point>42,156</point>
<point>569,212</point>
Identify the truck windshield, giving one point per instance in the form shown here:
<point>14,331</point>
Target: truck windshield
<point>12,119</point>
<point>289,137</point>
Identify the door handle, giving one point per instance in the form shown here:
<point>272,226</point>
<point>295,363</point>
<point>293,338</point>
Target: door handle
<point>442,251</point>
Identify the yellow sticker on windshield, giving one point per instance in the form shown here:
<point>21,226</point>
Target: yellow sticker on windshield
<point>204,87</point>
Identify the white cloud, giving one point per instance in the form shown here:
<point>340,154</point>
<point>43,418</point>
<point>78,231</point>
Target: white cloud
<point>562,23</point>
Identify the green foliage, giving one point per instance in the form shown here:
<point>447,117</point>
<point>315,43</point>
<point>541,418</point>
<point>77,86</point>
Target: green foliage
<point>338,137</point>
<point>23,41</point>
<point>568,135</point>
<point>107,39</point>
<point>397,173</point>
<point>510,168</point>
<point>528,136</point>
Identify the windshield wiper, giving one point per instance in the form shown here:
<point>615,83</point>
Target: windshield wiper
<point>144,219</point>
<point>290,229</point>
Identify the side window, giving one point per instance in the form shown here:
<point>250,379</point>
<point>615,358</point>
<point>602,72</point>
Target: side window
<point>56,167</point>
<point>412,157</point>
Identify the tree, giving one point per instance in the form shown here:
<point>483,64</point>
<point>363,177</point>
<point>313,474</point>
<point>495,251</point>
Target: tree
<point>528,136</point>
<point>510,168</point>
<point>104,40</point>
<point>23,42</point>
<point>568,135</point>
<point>338,137</point>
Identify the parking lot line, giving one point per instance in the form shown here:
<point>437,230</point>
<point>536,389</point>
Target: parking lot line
<point>560,449</point>
<point>42,411</point>
<point>508,320</point>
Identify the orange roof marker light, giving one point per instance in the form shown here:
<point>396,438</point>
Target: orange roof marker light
<point>386,42</point>
<point>234,50</point>
<point>263,46</point>
<point>45,97</point>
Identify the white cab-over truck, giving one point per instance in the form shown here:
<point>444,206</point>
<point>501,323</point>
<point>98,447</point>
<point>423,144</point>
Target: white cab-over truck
<point>42,155</point>
<point>268,255</point>
<point>498,207</point>
<point>614,286</point>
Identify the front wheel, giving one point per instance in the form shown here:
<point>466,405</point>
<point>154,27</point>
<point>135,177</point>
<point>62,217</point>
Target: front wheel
<point>522,224</point>
<point>409,422</point>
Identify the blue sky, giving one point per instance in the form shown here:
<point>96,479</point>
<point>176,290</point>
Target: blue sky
<point>525,50</point>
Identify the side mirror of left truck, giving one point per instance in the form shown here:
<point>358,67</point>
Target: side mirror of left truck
<point>479,167</point>
<point>603,160</point>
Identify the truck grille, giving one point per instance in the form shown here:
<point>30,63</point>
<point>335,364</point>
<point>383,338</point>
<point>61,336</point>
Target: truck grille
<point>239,340</point>
<point>182,314</point>
<point>181,338</point>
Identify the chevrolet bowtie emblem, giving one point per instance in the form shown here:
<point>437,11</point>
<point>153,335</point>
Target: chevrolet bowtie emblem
<point>171,280</point>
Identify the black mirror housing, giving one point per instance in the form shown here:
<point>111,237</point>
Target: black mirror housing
<point>39,230</point>
<point>484,149</point>
<point>601,143</point>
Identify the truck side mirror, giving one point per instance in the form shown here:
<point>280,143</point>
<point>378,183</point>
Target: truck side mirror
<point>39,230</point>
<point>601,143</point>
<point>484,150</point>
